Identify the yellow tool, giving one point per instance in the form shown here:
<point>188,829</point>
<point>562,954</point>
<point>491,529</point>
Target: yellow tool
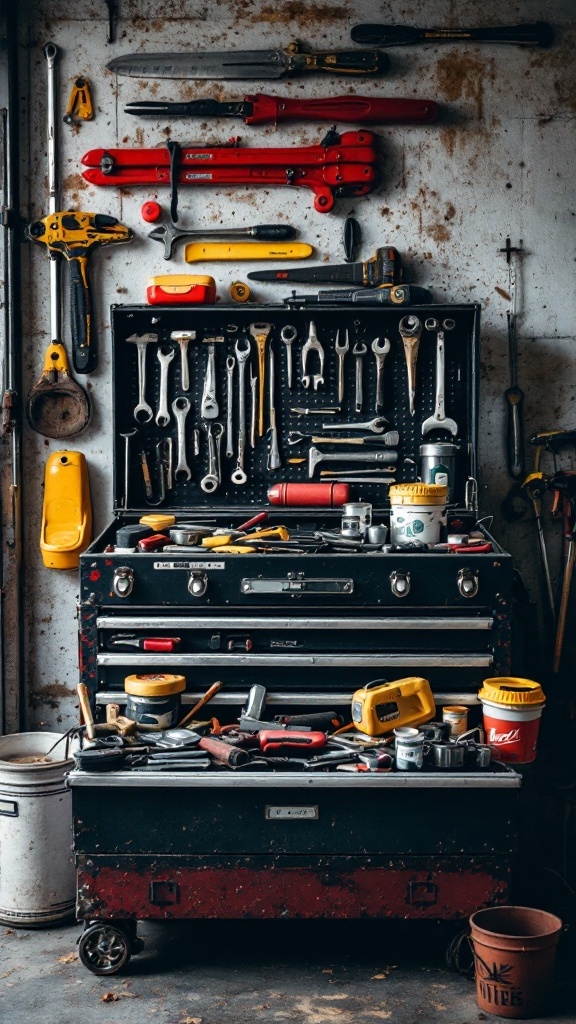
<point>260,333</point>
<point>66,511</point>
<point>280,532</point>
<point>57,406</point>
<point>199,252</point>
<point>80,102</point>
<point>379,707</point>
<point>234,549</point>
<point>240,292</point>
<point>158,521</point>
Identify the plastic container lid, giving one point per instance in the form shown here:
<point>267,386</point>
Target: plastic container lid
<point>154,685</point>
<point>158,521</point>
<point>418,494</point>
<point>511,690</point>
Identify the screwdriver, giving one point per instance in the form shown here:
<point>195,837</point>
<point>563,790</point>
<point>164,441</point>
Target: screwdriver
<point>164,644</point>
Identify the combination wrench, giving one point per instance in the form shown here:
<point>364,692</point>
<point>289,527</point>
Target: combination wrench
<point>209,405</point>
<point>211,481</point>
<point>230,364</point>
<point>163,414</point>
<point>380,350</point>
<point>181,408</point>
<point>376,426</point>
<point>341,349</point>
<point>439,420</point>
<point>274,453</point>
<point>359,351</point>
<point>312,345</point>
<point>183,338</point>
<point>288,334</point>
<point>141,341</point>
<point>242,354</point>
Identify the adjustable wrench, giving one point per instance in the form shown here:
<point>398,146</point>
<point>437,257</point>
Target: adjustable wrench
<point>211,481</point>
<point>181,408</point>
<point>274,453</point>
<point>439,421</point>
<point>410,330</point>
<point>380,351</point>
<point>253,383</point>
<point>163,414</point>
<point>209,406</point>
<point>230,364</point>
<point>312,344</point>
<point>183,337</point>
<point>289,334</point>
<point>242,354</point>
<point>359,351</point>
<point>141,341</point>
<point>261,332</point>
<point>341,350</point>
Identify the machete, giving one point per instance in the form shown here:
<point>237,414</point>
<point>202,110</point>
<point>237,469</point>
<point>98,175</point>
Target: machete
<point>384,267</point>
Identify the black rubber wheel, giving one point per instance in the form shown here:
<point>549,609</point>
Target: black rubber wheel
<point>104,948</point>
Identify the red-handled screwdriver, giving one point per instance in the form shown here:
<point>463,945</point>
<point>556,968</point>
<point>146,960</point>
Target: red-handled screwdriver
<point>160,644</point>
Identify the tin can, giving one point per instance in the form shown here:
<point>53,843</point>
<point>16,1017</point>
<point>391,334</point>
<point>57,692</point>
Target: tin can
<point>356,518</point>
<point>438,465</point>
<point>409,746</point>
<point>456,715</point>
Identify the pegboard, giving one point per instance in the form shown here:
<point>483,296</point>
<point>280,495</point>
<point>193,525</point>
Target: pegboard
<point>363,325</point>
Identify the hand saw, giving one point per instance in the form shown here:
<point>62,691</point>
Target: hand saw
<point>341,165</point>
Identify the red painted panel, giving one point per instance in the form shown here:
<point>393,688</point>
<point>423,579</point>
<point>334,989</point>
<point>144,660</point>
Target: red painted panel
<point>439,890</point>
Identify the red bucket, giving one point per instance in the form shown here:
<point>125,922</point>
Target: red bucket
<point>512,709</point>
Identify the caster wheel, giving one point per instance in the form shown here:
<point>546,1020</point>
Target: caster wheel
<point>104,949</point>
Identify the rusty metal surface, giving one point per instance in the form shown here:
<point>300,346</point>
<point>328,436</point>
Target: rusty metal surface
<point>500,162</point>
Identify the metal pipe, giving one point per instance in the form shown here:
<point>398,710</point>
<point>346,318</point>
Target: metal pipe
<point>51,54</point>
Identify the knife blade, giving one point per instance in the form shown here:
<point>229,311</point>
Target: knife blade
<point>262,109</point>
<point>250,64</point>
<point>384,267</point>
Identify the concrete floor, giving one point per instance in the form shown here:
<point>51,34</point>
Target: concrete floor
<point>252,973</point>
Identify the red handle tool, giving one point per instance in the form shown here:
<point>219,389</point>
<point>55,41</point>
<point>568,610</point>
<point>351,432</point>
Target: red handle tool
<point>367,109</point>
<point>274,739</point>
<point>160,644</point>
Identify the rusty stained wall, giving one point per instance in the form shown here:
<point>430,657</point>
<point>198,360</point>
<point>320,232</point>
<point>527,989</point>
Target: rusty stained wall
<point>500,162</point>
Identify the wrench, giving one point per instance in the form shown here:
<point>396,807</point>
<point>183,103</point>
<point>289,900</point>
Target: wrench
<point>260,333</point>
<point>439,421</point>
<point>376,425</point>
<point>163,414</point>
<point>289,334</point>
<point>380,351</point>
<point>315,456</point>
<point>390,439</point>
<point>183,337</point>
<point>410,330</point>
<point>312,344</point>
<point>274,453</point>
<point>211,481</point>
<point>230,364</point>
<point>359,351</point>
<point>181,408</point>
<point>141,341</point>
<point>253,383</point>
<point>341,351</point>
<point>127,436</point>
<point>242,354</point>
<point>209,406</point>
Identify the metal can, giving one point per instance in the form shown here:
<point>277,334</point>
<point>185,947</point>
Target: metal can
<point>438,465</point>
<point>409,746</point>
<point>356,518</point>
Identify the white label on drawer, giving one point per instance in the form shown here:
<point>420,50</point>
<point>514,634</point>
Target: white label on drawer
<point>291,813</point>
<point>189,565</point>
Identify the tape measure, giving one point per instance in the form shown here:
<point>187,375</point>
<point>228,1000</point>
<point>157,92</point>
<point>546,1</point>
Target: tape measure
<point>240,292</point>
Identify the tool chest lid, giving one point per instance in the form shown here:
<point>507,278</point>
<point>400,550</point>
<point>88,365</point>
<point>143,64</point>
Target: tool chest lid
<point>224,331</point>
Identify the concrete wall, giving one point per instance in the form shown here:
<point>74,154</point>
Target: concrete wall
<point>500,162</point>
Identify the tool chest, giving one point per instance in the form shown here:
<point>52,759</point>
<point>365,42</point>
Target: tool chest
<point>311,625</point>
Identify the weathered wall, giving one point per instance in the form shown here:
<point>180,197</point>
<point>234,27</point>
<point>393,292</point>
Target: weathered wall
<point>501,162</point>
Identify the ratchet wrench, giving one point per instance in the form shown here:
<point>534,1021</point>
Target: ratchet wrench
<point>164,358</point>
<point>242,354</point>
<point>181,408</point>
<point>341,350</point>
<point>230,364</point>
<point>380,350</point>
<point>211,481</point>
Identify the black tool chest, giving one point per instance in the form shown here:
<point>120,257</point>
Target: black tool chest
<point>312,627</point>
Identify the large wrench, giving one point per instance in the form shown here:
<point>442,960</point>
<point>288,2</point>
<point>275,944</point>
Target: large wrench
<point>410,330</point>
<point>260,333</point>
<point>341,350</point>
<point>242,354</point>
<point>312,344</point>
<point>254,407</point>
<point>380,350</point>
<point>163,414</point>
<point>209,406</point>
<point>439,421</point>
<point>359,351</point>
<point>382,458</point>
<point>274,453</point>
<point>289,334</point>
<point>211,481</point>
<point>141,341</point>
<point>376,426</point>
<point>230,364</point>
<point>183,337</point>
<point>181,408</point>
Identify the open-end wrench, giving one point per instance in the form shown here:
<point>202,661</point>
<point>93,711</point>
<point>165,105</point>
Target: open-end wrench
<point>274,453</point>
<point>181,408</point>
<point>209,406</point>
<point>359,351</point>
<point>410,330</point>
<point>376,426</point>
<point>141,341</point>
<point>164,358</point>
<point>380,350</point>
<point>260,333</point>
<point>312,345</point>
<point>211,481</point>
<point>254,407</point>
<point>242,354</point>
<point>341,350</point>
<point>183,337</point>
<point>439,421</point>
<point>289,334</point>
<point>315,456</point>
<point>230,364</point>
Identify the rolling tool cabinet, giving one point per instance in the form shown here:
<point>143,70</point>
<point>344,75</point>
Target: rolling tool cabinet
<point>312,628</point>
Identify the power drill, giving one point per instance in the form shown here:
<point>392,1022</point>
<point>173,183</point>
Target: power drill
<point>74,235</point>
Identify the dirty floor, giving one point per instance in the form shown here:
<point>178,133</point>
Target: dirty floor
<point>252,973</point>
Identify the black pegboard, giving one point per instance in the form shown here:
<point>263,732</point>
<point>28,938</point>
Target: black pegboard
<point>233,322</point>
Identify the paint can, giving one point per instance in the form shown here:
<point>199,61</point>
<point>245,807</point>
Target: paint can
<point>154,700</point>
<point>512,708</point>
<point>417,512</point>
<point>456,716</point>
<point>377,534</point>
<point>409,748</point>
<point>438,465</point>
<point>356,518</point>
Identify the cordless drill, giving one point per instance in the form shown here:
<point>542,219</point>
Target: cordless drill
<point>74,235</point>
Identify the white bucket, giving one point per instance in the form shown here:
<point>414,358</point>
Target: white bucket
<point>37,876</point>
<point>416,522</point>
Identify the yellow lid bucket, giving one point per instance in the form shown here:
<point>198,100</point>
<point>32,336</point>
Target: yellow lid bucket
<point>512,691</point>
<point>418,494</point>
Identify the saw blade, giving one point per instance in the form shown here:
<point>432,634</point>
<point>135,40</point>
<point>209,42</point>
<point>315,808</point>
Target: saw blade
<point>235,64</point>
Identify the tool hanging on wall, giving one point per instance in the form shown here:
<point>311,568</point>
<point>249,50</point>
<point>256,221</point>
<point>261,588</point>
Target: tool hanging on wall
<point>169,234</point>
<point>200,252</point>
<point>251,64</point>
<point>383,295</point>
<point>564,484</point>
<point>513,395</point>
<point>66,510</point>
<point>262,109</point>
<point>79,103</point>
<point>57,406</point>
<point>341,165</point>
<point>384,267</point>
<point>540,33</point>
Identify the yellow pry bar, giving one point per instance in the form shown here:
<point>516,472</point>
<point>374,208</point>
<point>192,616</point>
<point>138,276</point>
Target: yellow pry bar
<point>198,252</point>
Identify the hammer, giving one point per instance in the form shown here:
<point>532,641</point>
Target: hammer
<point>315,456</point>
<point>169,234</point>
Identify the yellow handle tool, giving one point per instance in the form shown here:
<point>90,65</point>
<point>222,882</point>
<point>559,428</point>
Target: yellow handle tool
<point>198,252</point>
<point>260,333</point>
<point>80,102</point>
